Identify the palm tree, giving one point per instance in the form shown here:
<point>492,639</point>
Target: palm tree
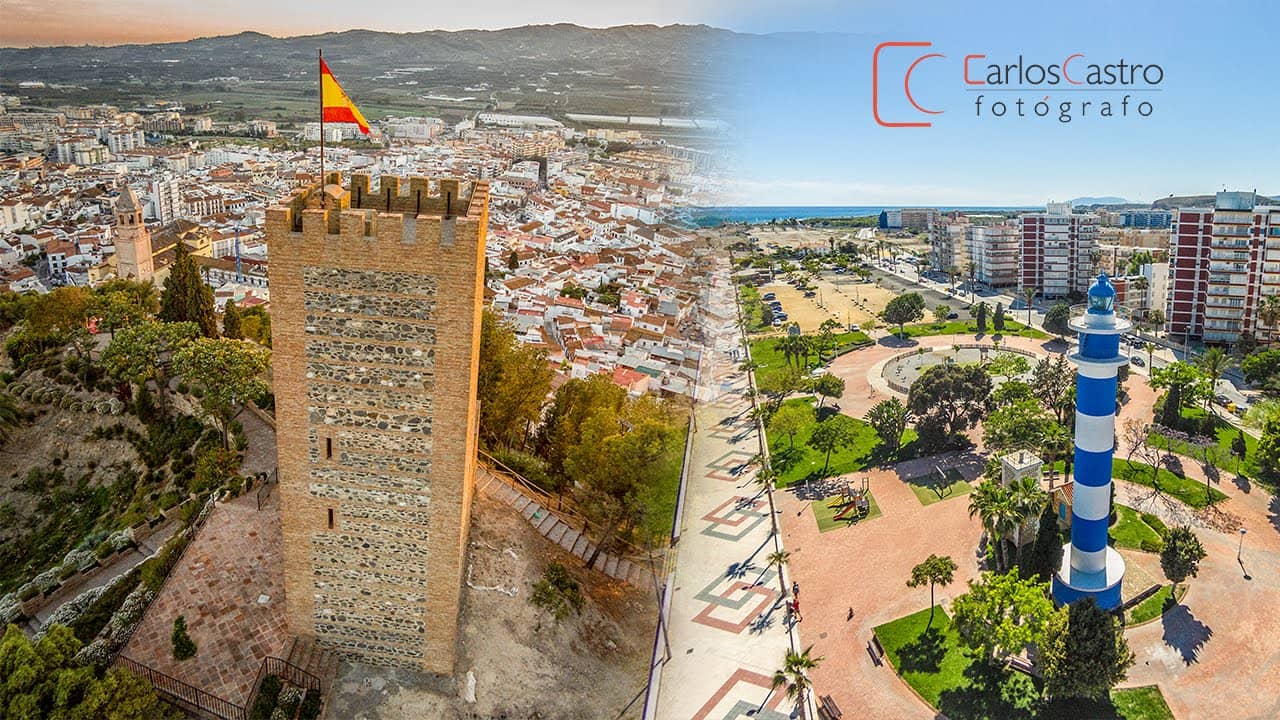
<point>989,502</point>
<point>953,272</point>
<point>9,416</point>
<point>1150,349</point>
<point>777,558</point>
<point>1029,293</point>
<point>1214,362</point>
<point>970,268</point>
<point>794,674</point>
<point>1026,499</point>
<point>1057,442</point>
<point>1269,314</point>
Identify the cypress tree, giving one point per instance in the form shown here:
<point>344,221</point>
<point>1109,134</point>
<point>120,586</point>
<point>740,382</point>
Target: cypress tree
<point>231,321</point>
<point>185,297</point>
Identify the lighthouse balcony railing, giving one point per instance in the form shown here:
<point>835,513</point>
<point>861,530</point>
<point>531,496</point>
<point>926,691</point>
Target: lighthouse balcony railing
<point>1078,312</point>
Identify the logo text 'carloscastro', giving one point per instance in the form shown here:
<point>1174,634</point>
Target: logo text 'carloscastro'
<point>1035,89</point>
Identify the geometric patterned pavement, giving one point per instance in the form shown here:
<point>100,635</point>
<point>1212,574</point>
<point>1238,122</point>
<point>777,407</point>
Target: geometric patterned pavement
<point>725,629</point>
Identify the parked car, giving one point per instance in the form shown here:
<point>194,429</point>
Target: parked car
<point>952,316</point>
<point>810,293</point>
<point>1221,400</point>
<point>777,322</point>
<point>770,296</point>
<point>854,328</point>
<point>1137,361</point>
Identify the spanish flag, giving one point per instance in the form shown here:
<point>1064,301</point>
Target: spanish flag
<point>335,105</point>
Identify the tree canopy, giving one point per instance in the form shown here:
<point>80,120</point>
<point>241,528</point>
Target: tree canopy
<point>947,400</point>
<point>834,433</point>
<point>790,420</point>
<point>889,418</point>
<point>512,385</point>
<point>42,680</point>
<point>903,309</point>
<point>228,371</point>
<point>1084,653</point>
<point>186,298</point>
<point>1055,320</point>
<point>1180,558</point>
<point>1002,614</point>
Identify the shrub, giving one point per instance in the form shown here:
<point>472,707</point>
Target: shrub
<point>183,388</point>
<point>530,466</point>
<point>1151,546</point>
<point>268,692</point>
<point>557,592</point>
<point>95,617</point>
<point>184,648</point>
<point>1156,524</point>
<point>310,706</point>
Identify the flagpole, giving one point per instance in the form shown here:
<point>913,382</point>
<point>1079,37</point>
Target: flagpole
<point>320,77</point>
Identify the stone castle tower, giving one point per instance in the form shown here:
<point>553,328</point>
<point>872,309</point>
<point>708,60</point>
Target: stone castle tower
<point>133,240</point>
<point>376,305</point>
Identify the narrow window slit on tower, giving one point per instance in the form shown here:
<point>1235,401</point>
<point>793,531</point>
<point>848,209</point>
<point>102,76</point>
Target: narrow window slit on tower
<point>330,518</point>
<point>328,453</point>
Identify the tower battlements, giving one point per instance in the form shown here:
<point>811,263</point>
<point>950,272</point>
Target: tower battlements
<point>393,211</point>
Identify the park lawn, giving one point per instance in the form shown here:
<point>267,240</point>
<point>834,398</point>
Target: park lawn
<point>1129,530</point>
<point>825,510</point>
<point>752,313</point>
<point>1141,703</point>
<point>1191,492</point>
<point>960,327</point>
<point>769,360</point>
<point>803,462</point>
<point>1153,607</point>
<point>1225,433</point>
<point>953,680</point>
<point>930,489</point>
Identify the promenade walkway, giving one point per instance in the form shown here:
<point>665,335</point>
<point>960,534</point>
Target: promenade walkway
<point>727,629</point>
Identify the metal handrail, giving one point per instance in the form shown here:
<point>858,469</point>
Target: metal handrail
<point>294,675</point>
<point>182,694</point>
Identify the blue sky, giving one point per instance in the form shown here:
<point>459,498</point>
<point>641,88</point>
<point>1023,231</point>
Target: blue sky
<point>805,135</point>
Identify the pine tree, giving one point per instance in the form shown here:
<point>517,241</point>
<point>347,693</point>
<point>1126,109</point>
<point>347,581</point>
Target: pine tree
<point>185,297</point>
<point>231,321</point>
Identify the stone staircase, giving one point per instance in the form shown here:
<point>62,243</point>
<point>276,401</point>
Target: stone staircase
<point>305,654</point>
<point>555,529</point>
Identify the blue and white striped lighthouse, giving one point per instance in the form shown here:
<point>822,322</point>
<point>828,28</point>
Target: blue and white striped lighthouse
<point>1090,567</point>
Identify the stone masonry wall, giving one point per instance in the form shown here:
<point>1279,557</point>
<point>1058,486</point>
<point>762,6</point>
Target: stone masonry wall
<point>376,320</point>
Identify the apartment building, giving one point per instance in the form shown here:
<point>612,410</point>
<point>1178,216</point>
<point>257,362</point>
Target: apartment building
<point>1222,261</point>
<point>947,244</point>
<point>994,252</point>
<point>1057,250</point>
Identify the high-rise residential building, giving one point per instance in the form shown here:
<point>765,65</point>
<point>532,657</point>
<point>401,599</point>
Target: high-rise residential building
<point>376,302</point>
<point>1222,261</point>
<point>994,252</point>
<point>166,198</point>
<point>132,239</point>
<point>1057,251</point>
<point>947,244</point>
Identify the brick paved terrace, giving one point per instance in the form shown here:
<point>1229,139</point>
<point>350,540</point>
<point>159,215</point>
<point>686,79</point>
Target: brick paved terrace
<point>230,588</point>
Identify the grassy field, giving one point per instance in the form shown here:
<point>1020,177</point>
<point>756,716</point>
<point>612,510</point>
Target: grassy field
<point>1153,607</point>
<point>959,327</point>
<point>825,510</point>
<point>1129,531</point>
<point>1224,433</point>
<point>801,462</point>
<point>931,659</point>
<point>769,360</point>
<point>1191,492</point>
<point>930,489</point>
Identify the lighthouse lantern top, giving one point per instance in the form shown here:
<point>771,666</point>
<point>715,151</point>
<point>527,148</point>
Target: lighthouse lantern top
<point>1102,296</point>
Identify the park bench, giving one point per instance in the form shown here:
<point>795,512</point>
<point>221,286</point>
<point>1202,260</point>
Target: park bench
<point>876,650</point>
<point>1021,664</point>
<point>827,708</point>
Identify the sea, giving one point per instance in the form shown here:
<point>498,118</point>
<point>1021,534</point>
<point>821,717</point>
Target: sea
<point>758,214</point>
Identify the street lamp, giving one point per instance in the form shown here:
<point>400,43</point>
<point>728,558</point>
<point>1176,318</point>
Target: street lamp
<point>1240,549</point>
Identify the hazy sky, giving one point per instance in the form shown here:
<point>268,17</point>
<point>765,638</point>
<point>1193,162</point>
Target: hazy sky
<point>113,22</point>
